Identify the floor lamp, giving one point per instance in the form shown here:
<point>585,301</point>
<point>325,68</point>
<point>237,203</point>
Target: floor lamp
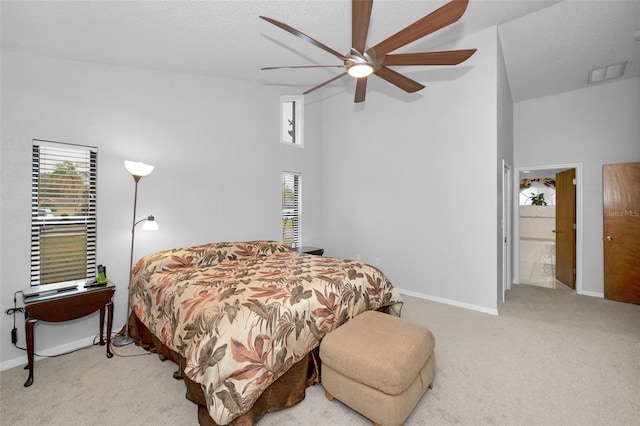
<point>137,170</point>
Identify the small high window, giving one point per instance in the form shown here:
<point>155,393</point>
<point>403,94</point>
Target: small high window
<point>291,118</point>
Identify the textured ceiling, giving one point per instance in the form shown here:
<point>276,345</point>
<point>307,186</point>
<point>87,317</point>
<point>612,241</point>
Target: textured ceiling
<point>552,50</point>
<point>549,46</point>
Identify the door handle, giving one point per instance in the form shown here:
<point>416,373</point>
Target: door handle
<point>554,231</point>
<point>609,238</point>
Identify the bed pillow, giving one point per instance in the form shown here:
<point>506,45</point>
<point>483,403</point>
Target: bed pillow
<point>207,255</point>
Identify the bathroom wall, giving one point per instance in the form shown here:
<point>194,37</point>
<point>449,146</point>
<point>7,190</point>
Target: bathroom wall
<point>537,245</point>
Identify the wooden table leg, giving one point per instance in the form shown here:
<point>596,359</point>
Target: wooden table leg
<point>29,324</point>
<point>109,324</point>
<point>101,326</point>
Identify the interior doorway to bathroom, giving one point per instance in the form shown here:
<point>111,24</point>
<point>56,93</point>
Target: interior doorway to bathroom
<point>546,243</point>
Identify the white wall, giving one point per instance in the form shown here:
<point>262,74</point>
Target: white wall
<point>410,179</point>
<point>404,178</point>
<point>215,145</point>
<point>594,126</point>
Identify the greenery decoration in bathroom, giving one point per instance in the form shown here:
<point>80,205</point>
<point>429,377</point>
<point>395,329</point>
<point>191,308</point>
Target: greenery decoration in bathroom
<point>538,200</point>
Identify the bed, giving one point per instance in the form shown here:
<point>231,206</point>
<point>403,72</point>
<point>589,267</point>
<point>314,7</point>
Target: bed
<point>243,320</point>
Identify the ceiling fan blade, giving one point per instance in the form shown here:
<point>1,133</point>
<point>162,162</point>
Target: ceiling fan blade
<point>325,83</point>
<point>360,18</point>
<point>447,57</point>
<point>399,80</point>
<point>303,36</point>
<point>361,90</point>
<point>440,18</point>
<point>303,66</point>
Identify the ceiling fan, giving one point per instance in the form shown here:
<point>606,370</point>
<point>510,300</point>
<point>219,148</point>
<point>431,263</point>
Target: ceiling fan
<point>361,62</point>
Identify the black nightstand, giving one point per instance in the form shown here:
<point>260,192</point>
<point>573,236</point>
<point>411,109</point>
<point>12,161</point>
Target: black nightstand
<point>311,250</point>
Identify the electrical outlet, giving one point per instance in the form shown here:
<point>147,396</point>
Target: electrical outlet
<point>378,261</point>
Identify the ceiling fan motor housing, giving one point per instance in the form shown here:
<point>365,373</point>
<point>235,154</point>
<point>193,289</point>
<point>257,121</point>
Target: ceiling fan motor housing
<point>360,64</point>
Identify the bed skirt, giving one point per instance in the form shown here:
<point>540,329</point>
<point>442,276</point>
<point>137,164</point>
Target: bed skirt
<point>285,392</point>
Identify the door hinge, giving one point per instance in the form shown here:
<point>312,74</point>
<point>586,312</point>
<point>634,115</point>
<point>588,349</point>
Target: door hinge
<point>574,182</point>
<point>574,227</point>
<point>574,272</point>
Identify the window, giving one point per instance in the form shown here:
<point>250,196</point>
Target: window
<point>291,109</point>
<point>291,209</point>
<point>538,191</point>
<point>63,212</point>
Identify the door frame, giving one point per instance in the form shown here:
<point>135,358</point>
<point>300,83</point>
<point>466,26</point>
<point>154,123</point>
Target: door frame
<point>507,228</point>
<point>517,176</point>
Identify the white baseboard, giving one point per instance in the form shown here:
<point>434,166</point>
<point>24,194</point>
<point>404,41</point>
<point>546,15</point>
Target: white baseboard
<point>456,303</point>
<point>592,294</point>
<point>67,347</point>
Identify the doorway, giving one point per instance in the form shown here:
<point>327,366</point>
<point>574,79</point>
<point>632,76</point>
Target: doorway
<point>548,244</point>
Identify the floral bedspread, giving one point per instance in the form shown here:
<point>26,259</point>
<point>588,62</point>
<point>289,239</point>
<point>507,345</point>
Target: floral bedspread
<point>243,313</point>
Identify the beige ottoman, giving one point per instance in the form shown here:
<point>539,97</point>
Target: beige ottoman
<point>379,365</point>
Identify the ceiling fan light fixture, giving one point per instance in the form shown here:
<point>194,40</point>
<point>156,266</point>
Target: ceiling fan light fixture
<point>360,70</point>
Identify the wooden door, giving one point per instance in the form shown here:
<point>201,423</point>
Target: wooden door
<point>565,228</point>
<point>621,191</point>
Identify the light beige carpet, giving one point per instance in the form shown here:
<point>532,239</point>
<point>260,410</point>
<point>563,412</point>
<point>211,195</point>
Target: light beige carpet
<point>550,358</point>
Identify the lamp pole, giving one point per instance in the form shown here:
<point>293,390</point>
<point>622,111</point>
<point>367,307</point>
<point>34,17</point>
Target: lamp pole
<point>137,170</point>
<point>123,340</point>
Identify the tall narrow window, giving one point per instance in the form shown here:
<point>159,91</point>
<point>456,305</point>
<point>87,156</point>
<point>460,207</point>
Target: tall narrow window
<point>291,209</point>
<point>291,118</point>
<point>63,212</point>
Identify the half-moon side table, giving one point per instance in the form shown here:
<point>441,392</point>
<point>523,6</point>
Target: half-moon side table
<point>67,305</point>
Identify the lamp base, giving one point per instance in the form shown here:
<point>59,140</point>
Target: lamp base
<point>121,341</point>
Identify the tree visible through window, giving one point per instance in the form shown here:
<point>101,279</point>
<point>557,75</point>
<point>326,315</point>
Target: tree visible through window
<point>289,109</point>
<point>63,212</point>
<point>291,209</point>
<point>291,117</point>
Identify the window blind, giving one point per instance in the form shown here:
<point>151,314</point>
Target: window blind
<point>63,212</point>
<point>291,193</point>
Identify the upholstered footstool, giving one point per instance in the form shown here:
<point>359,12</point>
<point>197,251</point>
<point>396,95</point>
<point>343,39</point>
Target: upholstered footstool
<point>379,365</point>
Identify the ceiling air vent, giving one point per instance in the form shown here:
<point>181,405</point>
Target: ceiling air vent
<point>609,72</point>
